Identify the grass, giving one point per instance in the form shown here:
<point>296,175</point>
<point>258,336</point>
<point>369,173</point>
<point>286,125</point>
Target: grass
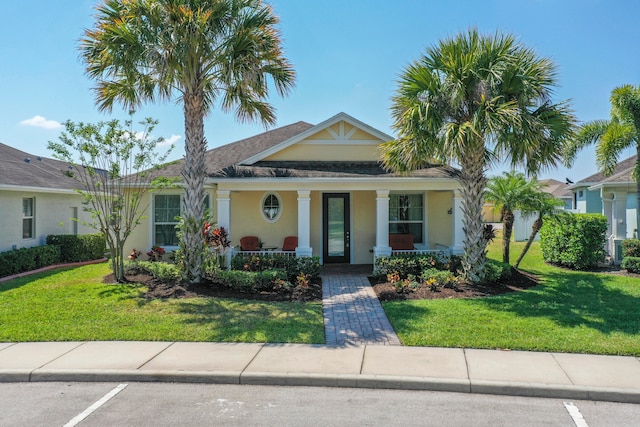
<point>577,312</point>
<point>74,305</point>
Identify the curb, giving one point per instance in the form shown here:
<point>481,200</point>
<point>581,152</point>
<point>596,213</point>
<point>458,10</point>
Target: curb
<point>330,380</point>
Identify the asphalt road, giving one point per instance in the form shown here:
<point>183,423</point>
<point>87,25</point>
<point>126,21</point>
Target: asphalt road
<point>162,404</point>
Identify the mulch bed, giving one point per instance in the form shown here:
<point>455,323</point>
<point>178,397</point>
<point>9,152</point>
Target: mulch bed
<point>518,282</point>
<point>160,290</point>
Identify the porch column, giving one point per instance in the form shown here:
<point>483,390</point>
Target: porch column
<point>382,247</point>
<point>458,225</point>
<point>224,209</point>
<point>607,210</point>
<point>619,222</point>
<point>304,224</point>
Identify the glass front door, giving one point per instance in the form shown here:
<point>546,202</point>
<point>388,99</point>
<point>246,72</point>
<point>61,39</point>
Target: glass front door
<point>336,235</point>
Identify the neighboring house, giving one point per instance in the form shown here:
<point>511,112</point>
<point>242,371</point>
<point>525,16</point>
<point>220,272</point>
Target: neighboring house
<point>613,196</point>
<point>323,184</point>
<point>37,198</point>
<point>523,223</point>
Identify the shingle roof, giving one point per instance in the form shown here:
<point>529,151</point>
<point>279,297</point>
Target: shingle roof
<point>333,169</point>
<point>23,169</point>
<point>621,173</point>
<point>556,188</point>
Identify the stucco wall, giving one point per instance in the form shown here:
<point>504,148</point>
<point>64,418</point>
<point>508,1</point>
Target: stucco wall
<point>53,215</point>
<point>363,233</point>
<point>326,152</point>
<point>439,221</point>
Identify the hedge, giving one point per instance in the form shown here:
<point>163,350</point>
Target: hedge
<point>26,259</point>
<point>631,248</point>
<point>631,264</point>
<point>77,248</point>
<point>574,240</point>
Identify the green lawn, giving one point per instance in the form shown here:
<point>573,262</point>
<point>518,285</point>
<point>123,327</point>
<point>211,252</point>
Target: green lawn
<point>568,312</point>
<point>74,305</point>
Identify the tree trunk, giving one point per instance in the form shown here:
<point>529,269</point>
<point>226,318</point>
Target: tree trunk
<point>473,182</point>
<point>194,174</point>
<point>537,225</point>
<point>507,221</point>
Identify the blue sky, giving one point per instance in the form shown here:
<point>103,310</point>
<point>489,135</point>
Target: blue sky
<point>347,55</point>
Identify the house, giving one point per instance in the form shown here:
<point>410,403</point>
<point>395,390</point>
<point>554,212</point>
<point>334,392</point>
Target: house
<point>614,196</point>
<point>522,224</point>
<point>36,199</point>
<point>322,183</point>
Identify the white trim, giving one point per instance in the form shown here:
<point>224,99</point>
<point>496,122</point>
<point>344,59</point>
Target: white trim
<point>27,189</point>
<point>340,117</point>
<point>339,142</point>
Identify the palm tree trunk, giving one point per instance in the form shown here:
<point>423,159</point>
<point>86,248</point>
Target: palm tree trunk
<point>473,183</point>
<point>194,174</point>
<point>537,225</point>
<point>507,221</point>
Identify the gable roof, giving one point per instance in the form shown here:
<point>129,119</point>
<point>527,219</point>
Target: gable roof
<point>556,188</point>
<point>326,125</point>
<point>20,169</point>
<point>621,175</point>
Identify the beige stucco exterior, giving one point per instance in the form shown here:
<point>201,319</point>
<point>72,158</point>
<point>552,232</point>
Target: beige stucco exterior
<point>53,214</point>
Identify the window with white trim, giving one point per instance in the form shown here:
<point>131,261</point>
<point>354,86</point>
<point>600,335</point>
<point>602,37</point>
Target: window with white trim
<point>271,207</point>
<point>28,217</point>
<point>406,215</point>
<point>166,210</point>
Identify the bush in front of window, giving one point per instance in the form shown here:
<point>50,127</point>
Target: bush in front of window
<point>26,259</point>
<point>293,266</point>
<point>78,248</point>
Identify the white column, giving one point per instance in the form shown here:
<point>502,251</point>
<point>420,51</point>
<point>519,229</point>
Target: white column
<point>607,210</point>
<point>224,209</point>
<point>620,215</point>
<point>382,247</point>
<point>458,226</point>
<point>304,224</point>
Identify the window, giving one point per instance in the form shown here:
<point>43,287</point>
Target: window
<point>406,215</point>
<point>271,207</point>
<point>165,210</point>
<point>28,218</point>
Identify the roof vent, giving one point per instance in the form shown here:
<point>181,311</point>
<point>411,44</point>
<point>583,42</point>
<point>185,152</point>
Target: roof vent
<point>27,160</point>
<point>39,158</point>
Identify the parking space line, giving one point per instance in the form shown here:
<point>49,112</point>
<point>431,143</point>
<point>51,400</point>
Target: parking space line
<point>91,409</point>
<point>577,417</point>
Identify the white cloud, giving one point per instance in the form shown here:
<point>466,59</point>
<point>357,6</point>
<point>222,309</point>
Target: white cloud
<point>171,140</point>
<point>41,122</point>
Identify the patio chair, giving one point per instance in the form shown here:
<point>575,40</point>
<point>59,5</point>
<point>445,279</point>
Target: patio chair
<point>401,242</point>
<point>249,243</point>
<point>290,243</point>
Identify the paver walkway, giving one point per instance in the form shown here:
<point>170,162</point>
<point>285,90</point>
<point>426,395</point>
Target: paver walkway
<point>352,313</point>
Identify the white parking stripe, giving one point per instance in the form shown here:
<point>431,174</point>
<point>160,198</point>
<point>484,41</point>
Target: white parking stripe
<point>575,414</point>
<point>91,409</point>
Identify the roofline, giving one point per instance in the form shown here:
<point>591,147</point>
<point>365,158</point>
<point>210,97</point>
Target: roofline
<point>611,184</point>
<point>213,181</point>
<point>323,125</point>
<point>25,188</point>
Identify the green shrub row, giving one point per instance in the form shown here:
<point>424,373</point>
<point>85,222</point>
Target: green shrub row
<point>78,248</point>
<point>631,248</point>
<point>27,259</point>
<point>631,264</point>
<point>251,281</point>
<point>163,271</point>
<point>574,240</point>
<point>414,264</point>
<point>293,266</point>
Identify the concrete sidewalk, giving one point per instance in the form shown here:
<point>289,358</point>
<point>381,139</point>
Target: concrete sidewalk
<point>556,375</point>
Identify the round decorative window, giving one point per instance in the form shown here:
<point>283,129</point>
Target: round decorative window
<point>271,207</point>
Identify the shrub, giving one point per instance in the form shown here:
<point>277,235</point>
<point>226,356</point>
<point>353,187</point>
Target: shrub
<point>162,271</point>
<point>631,264</point>
<point>27,259</point>
<point>78,248</point>
<point>415,264</point>
<point>574,240</point>
<point>496,271</point>
<point>293,266</point>
<point>251,281</point>
<point>438,278</point>
<point>631,248</point>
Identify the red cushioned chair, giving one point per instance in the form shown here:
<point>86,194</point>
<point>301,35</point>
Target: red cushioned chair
<point>290,243</point>
<point>249,243</point>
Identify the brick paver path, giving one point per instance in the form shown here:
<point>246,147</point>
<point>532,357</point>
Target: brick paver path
<point>352,312</point>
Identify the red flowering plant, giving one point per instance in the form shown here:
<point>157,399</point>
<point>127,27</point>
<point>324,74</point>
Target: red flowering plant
<point>156,253</point>
<point>216,237</point>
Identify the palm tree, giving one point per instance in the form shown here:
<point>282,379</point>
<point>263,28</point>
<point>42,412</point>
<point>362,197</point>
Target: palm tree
<point>615,135</point>
<point>202,51</point>
<point>475,100</point>
<point>509,192</point>
<point>544,205</point>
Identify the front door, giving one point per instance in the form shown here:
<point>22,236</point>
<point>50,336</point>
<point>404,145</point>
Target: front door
<point>335,228</point>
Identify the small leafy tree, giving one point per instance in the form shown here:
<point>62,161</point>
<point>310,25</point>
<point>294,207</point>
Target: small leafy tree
<point>113,167</point>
